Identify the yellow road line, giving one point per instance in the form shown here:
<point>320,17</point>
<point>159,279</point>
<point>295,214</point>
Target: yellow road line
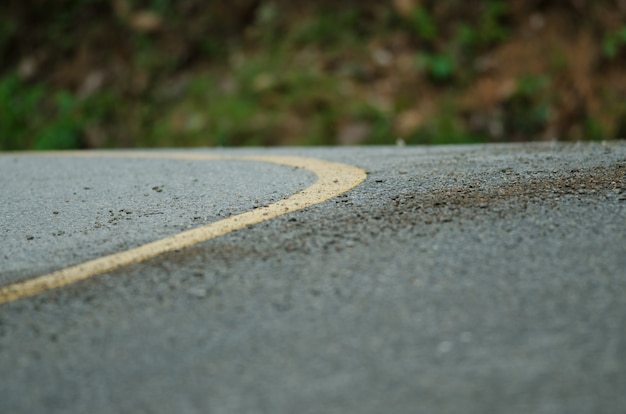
<point>332,179</point>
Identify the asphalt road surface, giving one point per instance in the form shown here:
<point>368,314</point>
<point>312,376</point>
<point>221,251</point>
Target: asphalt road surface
<point>459,279</point>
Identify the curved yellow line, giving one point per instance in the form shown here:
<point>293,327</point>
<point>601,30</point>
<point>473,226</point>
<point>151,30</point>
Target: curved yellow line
<point>332,179</point>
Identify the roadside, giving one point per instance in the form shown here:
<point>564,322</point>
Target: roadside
<point>455,279</point>
<point>103,73</point>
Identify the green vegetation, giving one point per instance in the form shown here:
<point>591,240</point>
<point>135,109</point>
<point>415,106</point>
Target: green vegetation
<point>123,73</point>
<point>614,42</point>
<point>34,117</point>
<point>529,109</point>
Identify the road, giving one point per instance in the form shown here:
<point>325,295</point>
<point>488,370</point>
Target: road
<point>456,279</point>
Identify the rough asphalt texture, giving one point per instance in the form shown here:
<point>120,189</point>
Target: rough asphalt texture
<point>472,279</point>
<point>90,207</point>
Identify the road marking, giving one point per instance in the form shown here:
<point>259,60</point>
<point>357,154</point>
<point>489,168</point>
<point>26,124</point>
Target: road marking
<point>333,179</point>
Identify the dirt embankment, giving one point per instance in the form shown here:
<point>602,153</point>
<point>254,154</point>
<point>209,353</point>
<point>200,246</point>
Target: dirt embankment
<point>101,73</point>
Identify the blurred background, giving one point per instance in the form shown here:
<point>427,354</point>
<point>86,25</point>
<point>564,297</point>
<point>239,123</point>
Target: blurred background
<point>154,73</point>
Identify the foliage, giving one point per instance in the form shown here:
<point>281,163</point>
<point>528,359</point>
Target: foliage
<point>274,72</point>
<point>34,117</point>
<point>528,108</point>
<point>439,66</point>
<point>424,24</point>
<point>613,42</point>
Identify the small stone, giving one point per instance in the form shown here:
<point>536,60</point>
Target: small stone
<point>444,347</point>
<point>197,292</point>
<point>466,337</point>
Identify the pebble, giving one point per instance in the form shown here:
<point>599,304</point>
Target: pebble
<point>197,292</point>
<point>444,347</point>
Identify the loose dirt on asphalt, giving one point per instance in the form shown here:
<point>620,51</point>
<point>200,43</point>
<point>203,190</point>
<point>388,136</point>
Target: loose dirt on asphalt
<point>471,200</point>
<point>459,279</point>
<point>510,196</point>
<point>332,179</point>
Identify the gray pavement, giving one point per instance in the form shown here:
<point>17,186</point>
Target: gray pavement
<point>57,211</point>
<point>460,279</point>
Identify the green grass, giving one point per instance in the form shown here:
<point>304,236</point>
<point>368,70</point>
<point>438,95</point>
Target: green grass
<point>35,117</point>
<point>298,79</point>
<point>614,42</point>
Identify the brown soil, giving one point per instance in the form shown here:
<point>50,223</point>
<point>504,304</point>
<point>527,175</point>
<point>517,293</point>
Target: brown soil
<point>561,41</point>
